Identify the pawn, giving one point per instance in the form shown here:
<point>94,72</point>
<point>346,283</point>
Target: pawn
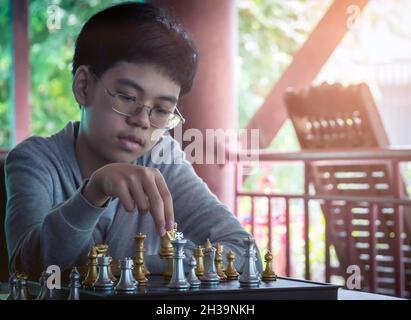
<point>75,284</point>
<point>127,281</point>
<point>22,289</point>
<point>268,274</point>
<point>192,277</point>
<point>13,290</point>
<point>231,272</point>
<point>45,292</point>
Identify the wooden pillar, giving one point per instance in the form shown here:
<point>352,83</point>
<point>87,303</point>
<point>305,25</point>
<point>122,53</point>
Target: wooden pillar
<point>20,79</point>
<point>212,103</point>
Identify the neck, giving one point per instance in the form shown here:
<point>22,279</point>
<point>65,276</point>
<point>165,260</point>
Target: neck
<point>87,159</point>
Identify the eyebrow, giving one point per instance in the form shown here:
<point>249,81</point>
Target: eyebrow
<point>139,88</point>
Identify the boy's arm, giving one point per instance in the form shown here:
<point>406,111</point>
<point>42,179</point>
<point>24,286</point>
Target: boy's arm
<point>200,215</point>
<point>40,232</point>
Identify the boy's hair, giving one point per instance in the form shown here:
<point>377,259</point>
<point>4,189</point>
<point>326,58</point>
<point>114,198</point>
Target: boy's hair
<point>138,33</point>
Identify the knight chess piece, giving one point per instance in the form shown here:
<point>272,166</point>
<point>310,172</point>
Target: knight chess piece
<point>22,291</point>
<point>219,262</point>
<point>192,277</point>
<point>92,268</point>
<point>231,272</point>
<point>45,292</point>
<point>74,285</point>
<point>268,274</point>
<point>178,279</point>
<point>139,239</point>
<point>127,282</point>
<point>13,289</point>
<point>166,252</point>
<point>210,276</point>
<point>249,276</point>
<point>199,256</point>
<point>103,281</point>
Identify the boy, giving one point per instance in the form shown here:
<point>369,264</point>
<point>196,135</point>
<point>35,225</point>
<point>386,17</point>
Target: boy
<point>97,181</point>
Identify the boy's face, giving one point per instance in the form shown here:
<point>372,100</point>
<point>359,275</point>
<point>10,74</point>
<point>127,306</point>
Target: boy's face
<point>115,137</point>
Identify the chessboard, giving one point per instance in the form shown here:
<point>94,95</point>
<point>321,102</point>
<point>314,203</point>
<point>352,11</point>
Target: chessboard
<point>156,289</point>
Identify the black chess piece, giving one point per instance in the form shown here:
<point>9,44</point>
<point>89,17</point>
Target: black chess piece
<point>75,284</point>
<point>12,287</point>
<point>22,289</point>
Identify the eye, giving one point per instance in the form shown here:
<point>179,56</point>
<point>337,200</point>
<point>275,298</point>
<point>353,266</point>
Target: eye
<point>126,98</point>
<point>161,110</point>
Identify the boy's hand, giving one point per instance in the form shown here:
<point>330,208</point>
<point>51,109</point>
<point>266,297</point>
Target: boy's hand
<point>133,185</point>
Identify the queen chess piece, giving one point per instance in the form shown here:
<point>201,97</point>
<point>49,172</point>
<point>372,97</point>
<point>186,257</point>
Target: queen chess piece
<point>249,277</point>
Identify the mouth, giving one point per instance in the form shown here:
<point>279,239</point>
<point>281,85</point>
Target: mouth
<point>131,142</point>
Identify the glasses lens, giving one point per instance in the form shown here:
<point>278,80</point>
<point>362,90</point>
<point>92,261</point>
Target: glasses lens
<point>126,104</point>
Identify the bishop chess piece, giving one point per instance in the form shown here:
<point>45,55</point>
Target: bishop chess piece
<point>231,272</point>
<point>45,292</point>
<point>13,289</point>
<point>268,274</point>
<point>210,276</point>
<point>74,285</point>
<point>178,279</point>
<point>139,238</point>
<point>103,281</point>
<point>92,271</point>
<point>127,282</point>
<point>22,291</point>
<point>199,256</point>
<point>167,250</point>
<point>249,276</point>
<point>192,277</point>
<point>219,262</point>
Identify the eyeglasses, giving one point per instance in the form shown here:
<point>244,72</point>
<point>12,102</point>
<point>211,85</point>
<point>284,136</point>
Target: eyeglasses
<point>159,117</point>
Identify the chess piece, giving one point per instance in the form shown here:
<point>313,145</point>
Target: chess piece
<point>199,256</point>
<point>22,292</point>
<point>231,272</point>
<point>92,268</point>
<point>139,271</point>
<point>74,285</point>
<point>103,281</point>
<point>268,274</point>
<point>210,276</point>
<point>127,282</point>
<point>13,290</point>
<point>140,248</point>
<point>192,277</point>
<point>45,292</point>
<point>219,262</point>
<point>102,250</point>
<point>167,250</point>
<point>178,279</point>
<point>249,276</point>
<point>208,244</point>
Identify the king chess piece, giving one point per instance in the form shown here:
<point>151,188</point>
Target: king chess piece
<point>178,279</point>
<point>249,277</point>
<point>192,277</point>
<point>127,282</point>
<point>210,276</point>
<point>103,281</point>
<point>74,285</point>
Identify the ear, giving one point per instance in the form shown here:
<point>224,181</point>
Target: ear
<point>82,85</point>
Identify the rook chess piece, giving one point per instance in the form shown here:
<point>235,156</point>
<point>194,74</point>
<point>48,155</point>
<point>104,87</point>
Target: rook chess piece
<point>45,292</point>
<point>231,272</point>
<point>199,256</point>
<point>192,277</point>
<point>249,276</point>
<point>178,279</point>
<point>127,281</point>
<point>268,274</point>
<point>103,281</point>
<point>74,285</point>
<point>210,276</point>
<point>13,290</point>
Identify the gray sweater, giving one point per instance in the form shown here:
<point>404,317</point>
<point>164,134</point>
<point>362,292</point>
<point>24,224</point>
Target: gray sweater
<point>49,222</point>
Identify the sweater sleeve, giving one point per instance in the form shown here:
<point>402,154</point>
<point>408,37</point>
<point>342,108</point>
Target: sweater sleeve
<point>38,231</point>
<point>198,212</point>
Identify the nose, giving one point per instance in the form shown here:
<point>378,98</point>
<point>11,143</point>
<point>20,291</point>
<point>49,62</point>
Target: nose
<point>141,118</point>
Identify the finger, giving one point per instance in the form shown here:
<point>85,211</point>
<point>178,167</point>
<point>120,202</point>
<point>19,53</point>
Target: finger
<point>156,203</point>
<point>125,197</point>
<point>167,200</point>
<point>136,190</point>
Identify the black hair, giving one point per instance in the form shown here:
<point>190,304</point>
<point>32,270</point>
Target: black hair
<point>138,33</point>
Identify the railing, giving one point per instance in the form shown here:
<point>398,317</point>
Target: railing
<point>398,200</point>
